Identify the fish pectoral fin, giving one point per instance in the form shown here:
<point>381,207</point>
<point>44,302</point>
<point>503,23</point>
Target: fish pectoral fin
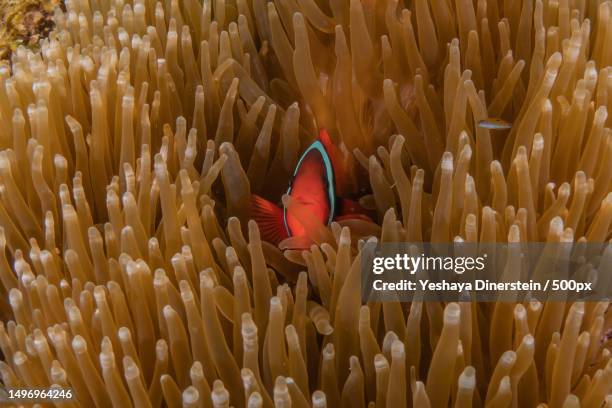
<point>269,218</point>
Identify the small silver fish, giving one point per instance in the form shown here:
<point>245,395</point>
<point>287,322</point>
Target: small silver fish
<point>495,124</point>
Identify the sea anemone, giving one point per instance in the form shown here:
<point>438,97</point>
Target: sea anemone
<point>131,144</point>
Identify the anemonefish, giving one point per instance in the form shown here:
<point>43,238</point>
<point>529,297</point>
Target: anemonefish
<point>313,186</point>
<point>494,124</point>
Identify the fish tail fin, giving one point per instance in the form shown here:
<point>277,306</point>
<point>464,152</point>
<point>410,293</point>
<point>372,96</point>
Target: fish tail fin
<point>348,206</point>
<point>346,217</point>
<point>269,218</point>
<point>350,210</point>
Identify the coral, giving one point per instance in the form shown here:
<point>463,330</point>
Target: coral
<point>24,22</point>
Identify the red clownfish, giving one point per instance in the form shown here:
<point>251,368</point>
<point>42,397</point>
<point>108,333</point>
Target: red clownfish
<point>313,186</point>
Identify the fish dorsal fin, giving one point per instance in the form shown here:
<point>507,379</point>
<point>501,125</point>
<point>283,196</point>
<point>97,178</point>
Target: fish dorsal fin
<point>340,159</point>
<point>333,152</point>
